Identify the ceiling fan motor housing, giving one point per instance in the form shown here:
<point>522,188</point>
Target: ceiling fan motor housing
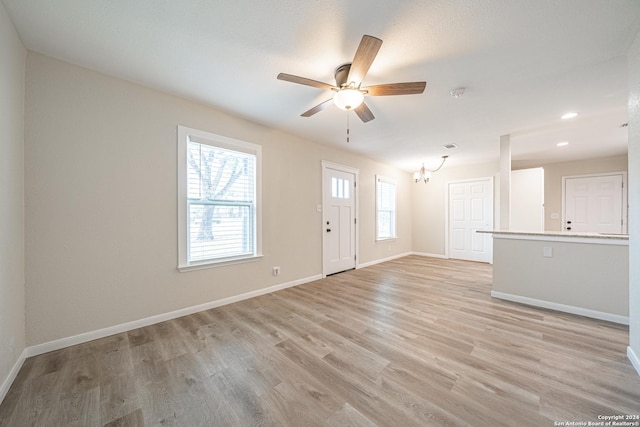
<point>342,74</point>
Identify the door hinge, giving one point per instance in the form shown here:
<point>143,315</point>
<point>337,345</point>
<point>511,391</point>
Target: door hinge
<point>355,257</point>
<point>355,220</point>
<point>354,184</point>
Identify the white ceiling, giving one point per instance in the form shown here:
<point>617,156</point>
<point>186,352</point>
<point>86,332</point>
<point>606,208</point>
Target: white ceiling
<point>523,64</point>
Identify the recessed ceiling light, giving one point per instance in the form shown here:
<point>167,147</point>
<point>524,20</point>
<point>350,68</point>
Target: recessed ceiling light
<point>569,115</point>
<point>562,144</point>
<point>457,92</point>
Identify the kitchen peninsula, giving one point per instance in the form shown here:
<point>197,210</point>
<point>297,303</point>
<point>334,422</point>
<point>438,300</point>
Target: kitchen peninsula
<point>580,273</point>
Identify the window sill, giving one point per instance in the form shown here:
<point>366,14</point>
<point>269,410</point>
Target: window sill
<point>386,239</point>
<point>222,263</point>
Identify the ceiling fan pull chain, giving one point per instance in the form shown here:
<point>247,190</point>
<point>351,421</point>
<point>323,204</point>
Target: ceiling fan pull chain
<point>347,127</point>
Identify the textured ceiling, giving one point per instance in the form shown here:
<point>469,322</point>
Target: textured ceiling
<point>523,64</point>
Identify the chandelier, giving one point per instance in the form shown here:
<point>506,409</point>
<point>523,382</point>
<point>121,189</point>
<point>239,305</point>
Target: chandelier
<point>425,174</point>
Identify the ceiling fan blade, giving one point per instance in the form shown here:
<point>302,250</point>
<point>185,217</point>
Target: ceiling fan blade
<point>317,108</point>
<point>304,81</point>
<point>364,113</point>
<point>410,88</point>
<point>366,53</point>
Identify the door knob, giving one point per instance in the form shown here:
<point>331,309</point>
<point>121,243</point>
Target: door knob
<point>568,228</point>
<point>568,222</point>
<point>328,230</point>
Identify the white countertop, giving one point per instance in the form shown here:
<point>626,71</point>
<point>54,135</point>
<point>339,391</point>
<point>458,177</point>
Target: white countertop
<point>561,234</point>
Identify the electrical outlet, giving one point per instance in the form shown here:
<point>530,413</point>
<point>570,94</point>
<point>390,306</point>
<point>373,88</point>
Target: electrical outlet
<point>276,271</point>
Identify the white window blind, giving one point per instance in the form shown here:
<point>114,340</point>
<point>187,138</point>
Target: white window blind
<point>385,208</point>
<point>220,200</point>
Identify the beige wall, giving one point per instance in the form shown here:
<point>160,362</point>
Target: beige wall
<point>430,204</point>
<point>12,305</point>
<point>634,197</point>
<point>591,276</point>
<point>553,174</point>
<point>101,221</point>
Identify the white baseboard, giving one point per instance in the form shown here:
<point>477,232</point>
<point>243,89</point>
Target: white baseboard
<point>378,261</point>
<point>124,327</point>
<point>615,318</point>
<point>4,389</point>
<point>633,357</point>
<point>430,255</point>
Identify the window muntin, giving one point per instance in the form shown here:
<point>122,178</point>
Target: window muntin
<point>219,200</point>
<point>385,208</point>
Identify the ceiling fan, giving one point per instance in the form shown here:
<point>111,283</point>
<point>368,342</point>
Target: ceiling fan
<point>349,94</point>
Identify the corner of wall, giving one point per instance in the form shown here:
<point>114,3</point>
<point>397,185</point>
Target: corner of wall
<point>633,56</point>
<point>12,237</point>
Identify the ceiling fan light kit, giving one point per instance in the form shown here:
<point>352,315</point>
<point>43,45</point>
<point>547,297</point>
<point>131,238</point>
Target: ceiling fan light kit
<point>349,92</point>
<point>348,99</point>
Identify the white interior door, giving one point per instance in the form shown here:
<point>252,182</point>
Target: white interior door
<point>594,204</point>
<point>339,220</point>
<point>471,209</point>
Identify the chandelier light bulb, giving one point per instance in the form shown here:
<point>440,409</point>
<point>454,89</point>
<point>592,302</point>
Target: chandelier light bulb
<point>424,174</point>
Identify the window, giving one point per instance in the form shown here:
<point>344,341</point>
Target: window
<point>385,208</point>
<point>339,188</point>
<point>218,199</point>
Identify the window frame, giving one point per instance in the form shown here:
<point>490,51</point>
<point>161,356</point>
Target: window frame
<point>394,230</point>
<point>186,135</point>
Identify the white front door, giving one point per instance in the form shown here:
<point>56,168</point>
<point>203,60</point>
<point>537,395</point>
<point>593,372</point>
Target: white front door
<point>339,219</point>
<point>471,209</point>
<point>594,204</point>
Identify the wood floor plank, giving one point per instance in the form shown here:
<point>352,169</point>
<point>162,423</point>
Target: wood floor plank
<point>81,375</point>
<point>284,403</point>
<point>413,341</point>
<point>133,419</point>
<point>361,395</point>
<point>118,397</point>
<point>80,409</point>
<point>349,416</point>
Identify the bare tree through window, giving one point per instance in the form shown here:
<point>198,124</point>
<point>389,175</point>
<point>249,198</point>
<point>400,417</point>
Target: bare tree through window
<point>221,192</point>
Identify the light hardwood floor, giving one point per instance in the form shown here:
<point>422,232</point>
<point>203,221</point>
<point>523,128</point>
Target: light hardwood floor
<point>415,341</point>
